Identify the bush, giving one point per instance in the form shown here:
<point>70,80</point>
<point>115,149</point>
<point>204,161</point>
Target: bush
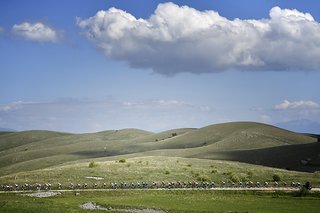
<point>92,164</point>
<point>167,172</point>
<point>189,165</point>
<point>122,160</point>
<point>244,179</point>
<point>276,177</point>
<point>203,178</point>
<point>302,192</point>
<point>234,178</point>
<point>249,174</point>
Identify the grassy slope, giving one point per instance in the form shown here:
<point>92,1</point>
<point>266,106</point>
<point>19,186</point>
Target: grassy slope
<point>15,139</point>
<point>164,135</point>
<point>287,157</point>
<point>157,168</point>
<point>39,149</point>
<point>236,135</point>
<point>56,150</point>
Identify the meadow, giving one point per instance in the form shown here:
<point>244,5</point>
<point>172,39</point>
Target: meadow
<point>167,200</point>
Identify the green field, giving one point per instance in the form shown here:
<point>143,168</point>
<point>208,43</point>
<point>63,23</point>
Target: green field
<point>157,168</point>
<point>171,201</point>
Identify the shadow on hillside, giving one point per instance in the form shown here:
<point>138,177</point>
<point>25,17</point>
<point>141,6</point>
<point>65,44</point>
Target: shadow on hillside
<point>96,154</point>
<point>302,157</point>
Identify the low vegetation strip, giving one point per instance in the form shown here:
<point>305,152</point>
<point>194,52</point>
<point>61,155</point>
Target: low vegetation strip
<point>176,201</point>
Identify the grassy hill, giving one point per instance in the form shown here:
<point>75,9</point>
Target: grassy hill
<point>156,168</point>
<point>249,142</point>
<point>235,135</point>
<point>14,139</point>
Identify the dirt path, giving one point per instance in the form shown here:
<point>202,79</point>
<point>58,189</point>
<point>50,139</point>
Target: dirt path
<point>43,194</point>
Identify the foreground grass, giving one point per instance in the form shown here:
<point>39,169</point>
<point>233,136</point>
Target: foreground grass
<point>157,169</point>
<point>172,201</point>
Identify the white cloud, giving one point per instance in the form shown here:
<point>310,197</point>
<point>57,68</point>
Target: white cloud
<point>265,118</point>
<point>36,32</point>
<point>296,105</point>
<point>1,30</point>
<point>182,39</point>
<point>165,104</point>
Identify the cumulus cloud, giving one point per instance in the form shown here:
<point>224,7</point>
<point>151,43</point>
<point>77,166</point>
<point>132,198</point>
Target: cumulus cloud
<point>297,105</point>
<point>36,32</point>
<point>182,39</point>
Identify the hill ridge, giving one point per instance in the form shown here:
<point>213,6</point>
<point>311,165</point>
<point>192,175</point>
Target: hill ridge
<point>52,148</point>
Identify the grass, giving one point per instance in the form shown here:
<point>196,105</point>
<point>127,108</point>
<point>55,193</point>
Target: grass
<point>156,168</point>
<point>31,150</point>
<point>211,153</point>
<point>172,201</point>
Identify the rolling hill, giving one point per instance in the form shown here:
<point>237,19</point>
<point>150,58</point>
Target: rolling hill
<point>248,142</point>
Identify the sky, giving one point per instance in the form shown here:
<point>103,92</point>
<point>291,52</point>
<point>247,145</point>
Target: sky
<point>93,65</point>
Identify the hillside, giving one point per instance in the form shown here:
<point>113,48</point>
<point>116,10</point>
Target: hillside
<point>15,139</point>
<point>156,168</point>
<point>237,141</point>
<point>235,135</point>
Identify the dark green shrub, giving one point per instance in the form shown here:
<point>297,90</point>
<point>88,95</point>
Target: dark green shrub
<point>234,178</point>
<point>122,160</point>
<point>204,178</point>
<point>92,164</point>
<point>276,177</point>
<point>249,174</point>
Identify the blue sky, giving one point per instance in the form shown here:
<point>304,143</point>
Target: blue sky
<point>156,65</point>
